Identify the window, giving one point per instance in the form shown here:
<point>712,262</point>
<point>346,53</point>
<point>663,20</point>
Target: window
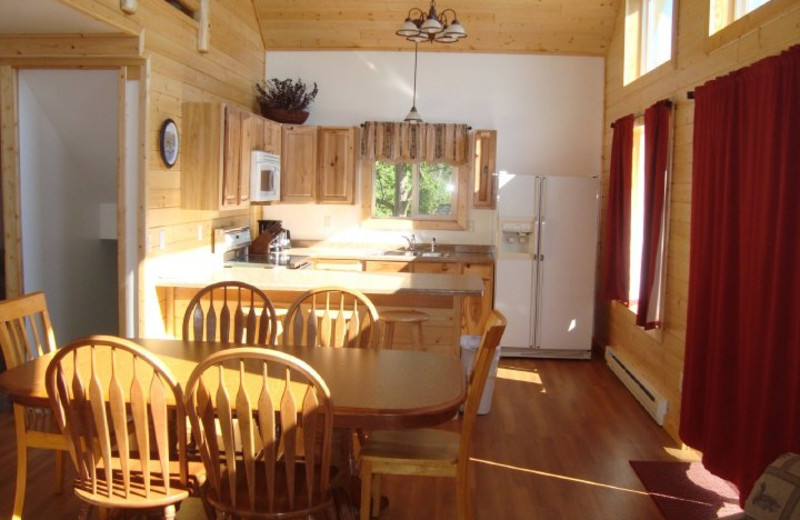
<point>414,190</point>
<point>648,36</point>
<point>418,175</point>
<point>637,215</point>
<point>724,12</point>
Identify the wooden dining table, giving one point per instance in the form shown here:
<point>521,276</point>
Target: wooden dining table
<point>371,389</point>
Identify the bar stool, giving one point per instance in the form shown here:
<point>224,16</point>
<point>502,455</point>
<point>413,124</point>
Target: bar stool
<point>412,317</point>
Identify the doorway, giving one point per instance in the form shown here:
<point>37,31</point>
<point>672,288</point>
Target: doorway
<point>68,150</point>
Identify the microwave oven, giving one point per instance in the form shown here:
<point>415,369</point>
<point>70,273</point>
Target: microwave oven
<point>265,177</point>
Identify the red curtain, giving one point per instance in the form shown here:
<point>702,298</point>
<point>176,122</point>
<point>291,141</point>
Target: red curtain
<point>656,154</point>
<point>741,389</point>
<point>616,251</point>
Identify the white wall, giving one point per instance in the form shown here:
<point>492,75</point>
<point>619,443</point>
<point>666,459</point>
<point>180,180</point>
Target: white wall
<point>548,111</point>
<point>68,146</point>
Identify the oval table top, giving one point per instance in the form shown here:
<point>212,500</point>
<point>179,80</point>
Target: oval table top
<point>371,389</point>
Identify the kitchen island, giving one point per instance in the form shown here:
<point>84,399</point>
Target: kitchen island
<point>438,295</point>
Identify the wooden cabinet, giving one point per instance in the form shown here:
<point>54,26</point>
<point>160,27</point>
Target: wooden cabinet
<point>484,168</point>
<point>215,157</point>
<point>298,164</point>
<point>336,175</point>
<point>338,264</point>
<point>265,134</point>
<point>475,310</point>
<point>436,267</point>
<point>387,266</point>
<point>318,164</point>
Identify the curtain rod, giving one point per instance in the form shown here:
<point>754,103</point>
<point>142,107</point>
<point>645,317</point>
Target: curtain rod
<point>640,114</point>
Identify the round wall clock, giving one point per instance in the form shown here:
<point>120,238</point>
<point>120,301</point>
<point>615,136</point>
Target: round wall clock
<point>169,142</point>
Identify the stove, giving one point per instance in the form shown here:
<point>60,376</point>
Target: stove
<point>233,244</point>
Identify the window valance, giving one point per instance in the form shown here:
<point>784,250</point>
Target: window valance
<point>410,142</point>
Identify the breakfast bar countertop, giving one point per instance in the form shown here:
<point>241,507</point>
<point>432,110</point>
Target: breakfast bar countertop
<point>282,279</point>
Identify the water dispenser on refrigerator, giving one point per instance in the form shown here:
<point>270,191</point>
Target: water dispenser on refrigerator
<point>516,236</point>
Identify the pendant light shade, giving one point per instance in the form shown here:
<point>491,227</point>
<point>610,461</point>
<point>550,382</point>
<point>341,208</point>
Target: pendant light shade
<point>413,116</point>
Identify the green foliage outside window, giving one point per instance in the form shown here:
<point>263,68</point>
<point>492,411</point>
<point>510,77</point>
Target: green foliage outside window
<point>397,193</point>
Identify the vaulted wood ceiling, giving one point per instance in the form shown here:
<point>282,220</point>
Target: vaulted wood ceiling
<point>503,26</point>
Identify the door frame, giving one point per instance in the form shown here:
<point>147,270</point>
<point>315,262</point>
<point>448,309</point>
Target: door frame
<point>136,69</point>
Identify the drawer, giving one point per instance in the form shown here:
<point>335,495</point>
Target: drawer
<point>437,267</point>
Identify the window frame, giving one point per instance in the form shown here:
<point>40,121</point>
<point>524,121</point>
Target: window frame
<point>744,25</point>
<point>456,221</point>
<point>634,56</point>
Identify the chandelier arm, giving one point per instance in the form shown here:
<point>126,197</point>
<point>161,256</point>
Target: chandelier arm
<point>417,12</point>
<point>443,16</point>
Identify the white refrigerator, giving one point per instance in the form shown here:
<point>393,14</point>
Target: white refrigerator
<point>546,261</point>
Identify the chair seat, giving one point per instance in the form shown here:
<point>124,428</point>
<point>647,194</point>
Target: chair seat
<point>432,448</point>
<point>320,500</point>
<point>137,499</point>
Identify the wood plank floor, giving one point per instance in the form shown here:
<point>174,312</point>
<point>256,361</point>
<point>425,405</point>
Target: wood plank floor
<point>556,445</point>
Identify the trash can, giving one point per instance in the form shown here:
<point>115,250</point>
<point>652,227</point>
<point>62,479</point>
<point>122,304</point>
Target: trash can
<point>469,347</point>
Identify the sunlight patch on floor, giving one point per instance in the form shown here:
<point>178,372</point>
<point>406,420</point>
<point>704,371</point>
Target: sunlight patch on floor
<point>559,477</point>
<point>684,454</point>
<point>514,374</point>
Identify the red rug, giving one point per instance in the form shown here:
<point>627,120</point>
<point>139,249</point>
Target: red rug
<point>686,490</point>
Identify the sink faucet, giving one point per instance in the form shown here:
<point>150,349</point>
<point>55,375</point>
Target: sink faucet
<point>412,241</point>
<point>433,245</point>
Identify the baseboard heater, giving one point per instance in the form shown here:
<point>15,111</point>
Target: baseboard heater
<point>643,391</point>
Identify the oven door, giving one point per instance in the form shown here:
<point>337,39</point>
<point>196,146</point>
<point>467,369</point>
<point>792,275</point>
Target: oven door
<point>265,183</point>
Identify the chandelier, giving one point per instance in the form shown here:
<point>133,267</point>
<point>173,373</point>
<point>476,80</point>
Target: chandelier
<point>442,28</point>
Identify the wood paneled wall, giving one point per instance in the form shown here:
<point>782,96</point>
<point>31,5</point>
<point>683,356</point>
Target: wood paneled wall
<point>161,45</point>
<point>697,58</point>
<point>178,74</point>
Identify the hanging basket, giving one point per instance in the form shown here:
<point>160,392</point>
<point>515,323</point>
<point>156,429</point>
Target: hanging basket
<point>281,115</point>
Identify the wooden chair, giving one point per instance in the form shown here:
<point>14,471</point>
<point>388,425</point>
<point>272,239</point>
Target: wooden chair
<point>331,317</point>
<point>266,404</point>
<point>115,409</point>
<point>26,333</point>
<point>428,451</point>
<point>231,312</point>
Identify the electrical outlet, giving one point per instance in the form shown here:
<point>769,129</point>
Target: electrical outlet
<point>328,221</point>
<point>471,226</point>
<point>162,239</point>
<point>199,232</point>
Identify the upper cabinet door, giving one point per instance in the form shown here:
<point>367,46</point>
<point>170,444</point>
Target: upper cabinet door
<point>484,168</point>
<point>299,164</point>
<point>215,157</point>
<point>236,172</point>
<point>337,165</point>
<point>265,134</point>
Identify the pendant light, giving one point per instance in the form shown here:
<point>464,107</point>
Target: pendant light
<point>413,116</point>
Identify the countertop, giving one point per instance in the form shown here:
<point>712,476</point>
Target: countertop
<point>281,279</point>
<point>444,253</point>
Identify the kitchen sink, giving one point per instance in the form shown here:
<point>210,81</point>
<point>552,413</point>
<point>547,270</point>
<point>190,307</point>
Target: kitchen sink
<point>417,253</point>
<point>398,252</point>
